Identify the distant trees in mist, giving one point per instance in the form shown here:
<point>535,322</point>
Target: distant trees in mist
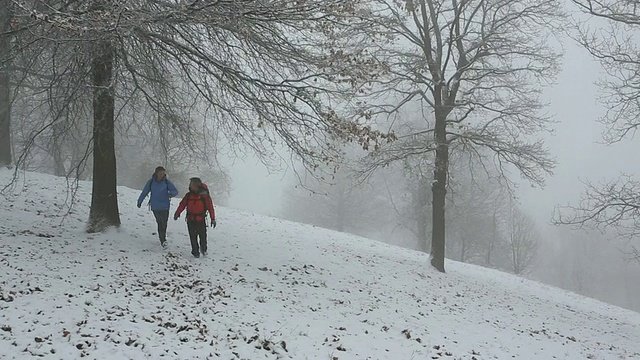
<point>590,263</point>
<point>485,227</point>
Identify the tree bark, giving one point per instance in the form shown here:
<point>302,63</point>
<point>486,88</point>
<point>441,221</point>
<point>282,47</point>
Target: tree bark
<point>104,201</point>
<point>341,213</point>
<point>422,222</point>
<point>439,189</point>
<point>5,78</point>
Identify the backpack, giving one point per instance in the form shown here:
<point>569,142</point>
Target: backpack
<point>197,204</point>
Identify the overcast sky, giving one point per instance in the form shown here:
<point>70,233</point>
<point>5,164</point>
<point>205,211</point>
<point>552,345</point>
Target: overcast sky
<point>577,145</point>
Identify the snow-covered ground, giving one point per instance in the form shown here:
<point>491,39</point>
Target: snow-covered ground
<point>270,289</point>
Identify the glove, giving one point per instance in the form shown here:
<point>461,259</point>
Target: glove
<point>213,223</point>
<point>139,205</point>
<point>176,216</point>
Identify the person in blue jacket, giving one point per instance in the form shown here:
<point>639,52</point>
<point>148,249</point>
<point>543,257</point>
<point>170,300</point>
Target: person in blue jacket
<point>162,190</point>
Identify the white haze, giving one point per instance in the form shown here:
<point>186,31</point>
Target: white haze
<point>581,156</point>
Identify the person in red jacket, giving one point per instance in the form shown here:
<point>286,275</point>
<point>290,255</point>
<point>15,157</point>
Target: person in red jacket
<point>198,203</point>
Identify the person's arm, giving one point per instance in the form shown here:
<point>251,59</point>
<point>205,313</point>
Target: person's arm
<point>144,193</point>
<point>212,212</point>
<point>181,206</point>
<point>171,189</point>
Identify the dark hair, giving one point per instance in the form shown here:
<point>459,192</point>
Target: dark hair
<point>159,168</point>
<point>196,180</point>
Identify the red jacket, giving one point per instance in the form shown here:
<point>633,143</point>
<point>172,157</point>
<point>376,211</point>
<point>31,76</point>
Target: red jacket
<point>197,205</point>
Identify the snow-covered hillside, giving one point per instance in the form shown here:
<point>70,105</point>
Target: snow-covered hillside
<point>270,289</point>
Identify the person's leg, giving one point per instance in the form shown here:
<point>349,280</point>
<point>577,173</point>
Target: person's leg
<point>193,237</point>
<point>162,225</point>
<point>162,217</point>
<point>202,233</point>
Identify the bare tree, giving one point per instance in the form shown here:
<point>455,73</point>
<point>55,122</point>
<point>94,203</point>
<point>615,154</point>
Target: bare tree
<point>475,69</point>
<point>473,204</point>
<point>615,46</point>
<point>5,78</point>
<point>340,203</point>
<point>263,71</point>
<point>524,241</point>
<point>408,189</point>
<point>104,198</point>
<point>493,240</point>
<point>496,215</point>
<point>420,197</point>
<point>585,262</point>
<point>612,205</point>
<point>53,109</point>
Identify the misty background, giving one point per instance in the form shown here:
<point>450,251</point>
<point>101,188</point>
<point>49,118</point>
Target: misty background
<point>255,151</point>
<point>585,261</point>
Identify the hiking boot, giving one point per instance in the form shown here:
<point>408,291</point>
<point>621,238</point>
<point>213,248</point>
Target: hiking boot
<point>196,255</point>
<point>204,253</point>
<point>163,243</point>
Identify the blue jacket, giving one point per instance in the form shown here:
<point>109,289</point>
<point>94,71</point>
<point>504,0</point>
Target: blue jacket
<point>161,192</point>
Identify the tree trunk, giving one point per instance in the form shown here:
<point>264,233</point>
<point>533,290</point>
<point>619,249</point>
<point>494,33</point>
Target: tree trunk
<point>5,90</point>
<point>492,241</point>
<point>341,211</point>
<point>439,189</point>
<point>423,202</point>
<point>56,151</point>
<point>514,254</point>
<point>104,198</point>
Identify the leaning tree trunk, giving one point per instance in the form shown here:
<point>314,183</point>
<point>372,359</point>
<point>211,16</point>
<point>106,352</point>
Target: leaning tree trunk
<point>439,189</point>
<point>5,90</point>
<point>104,200</point>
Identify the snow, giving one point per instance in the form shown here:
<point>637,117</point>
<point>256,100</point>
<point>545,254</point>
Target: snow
<point>269,289</point>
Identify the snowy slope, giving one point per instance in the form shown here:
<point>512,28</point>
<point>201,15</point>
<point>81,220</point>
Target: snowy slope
<point>270,289</point>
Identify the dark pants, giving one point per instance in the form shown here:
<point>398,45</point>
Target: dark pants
<point>197,229</point>
<point>162,217</point>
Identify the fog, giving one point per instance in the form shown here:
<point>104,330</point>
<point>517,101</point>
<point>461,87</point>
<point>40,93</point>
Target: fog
<point>255,188</point>
<point>581,155</point>
<point>577,142</point>
<point>195,124</point>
